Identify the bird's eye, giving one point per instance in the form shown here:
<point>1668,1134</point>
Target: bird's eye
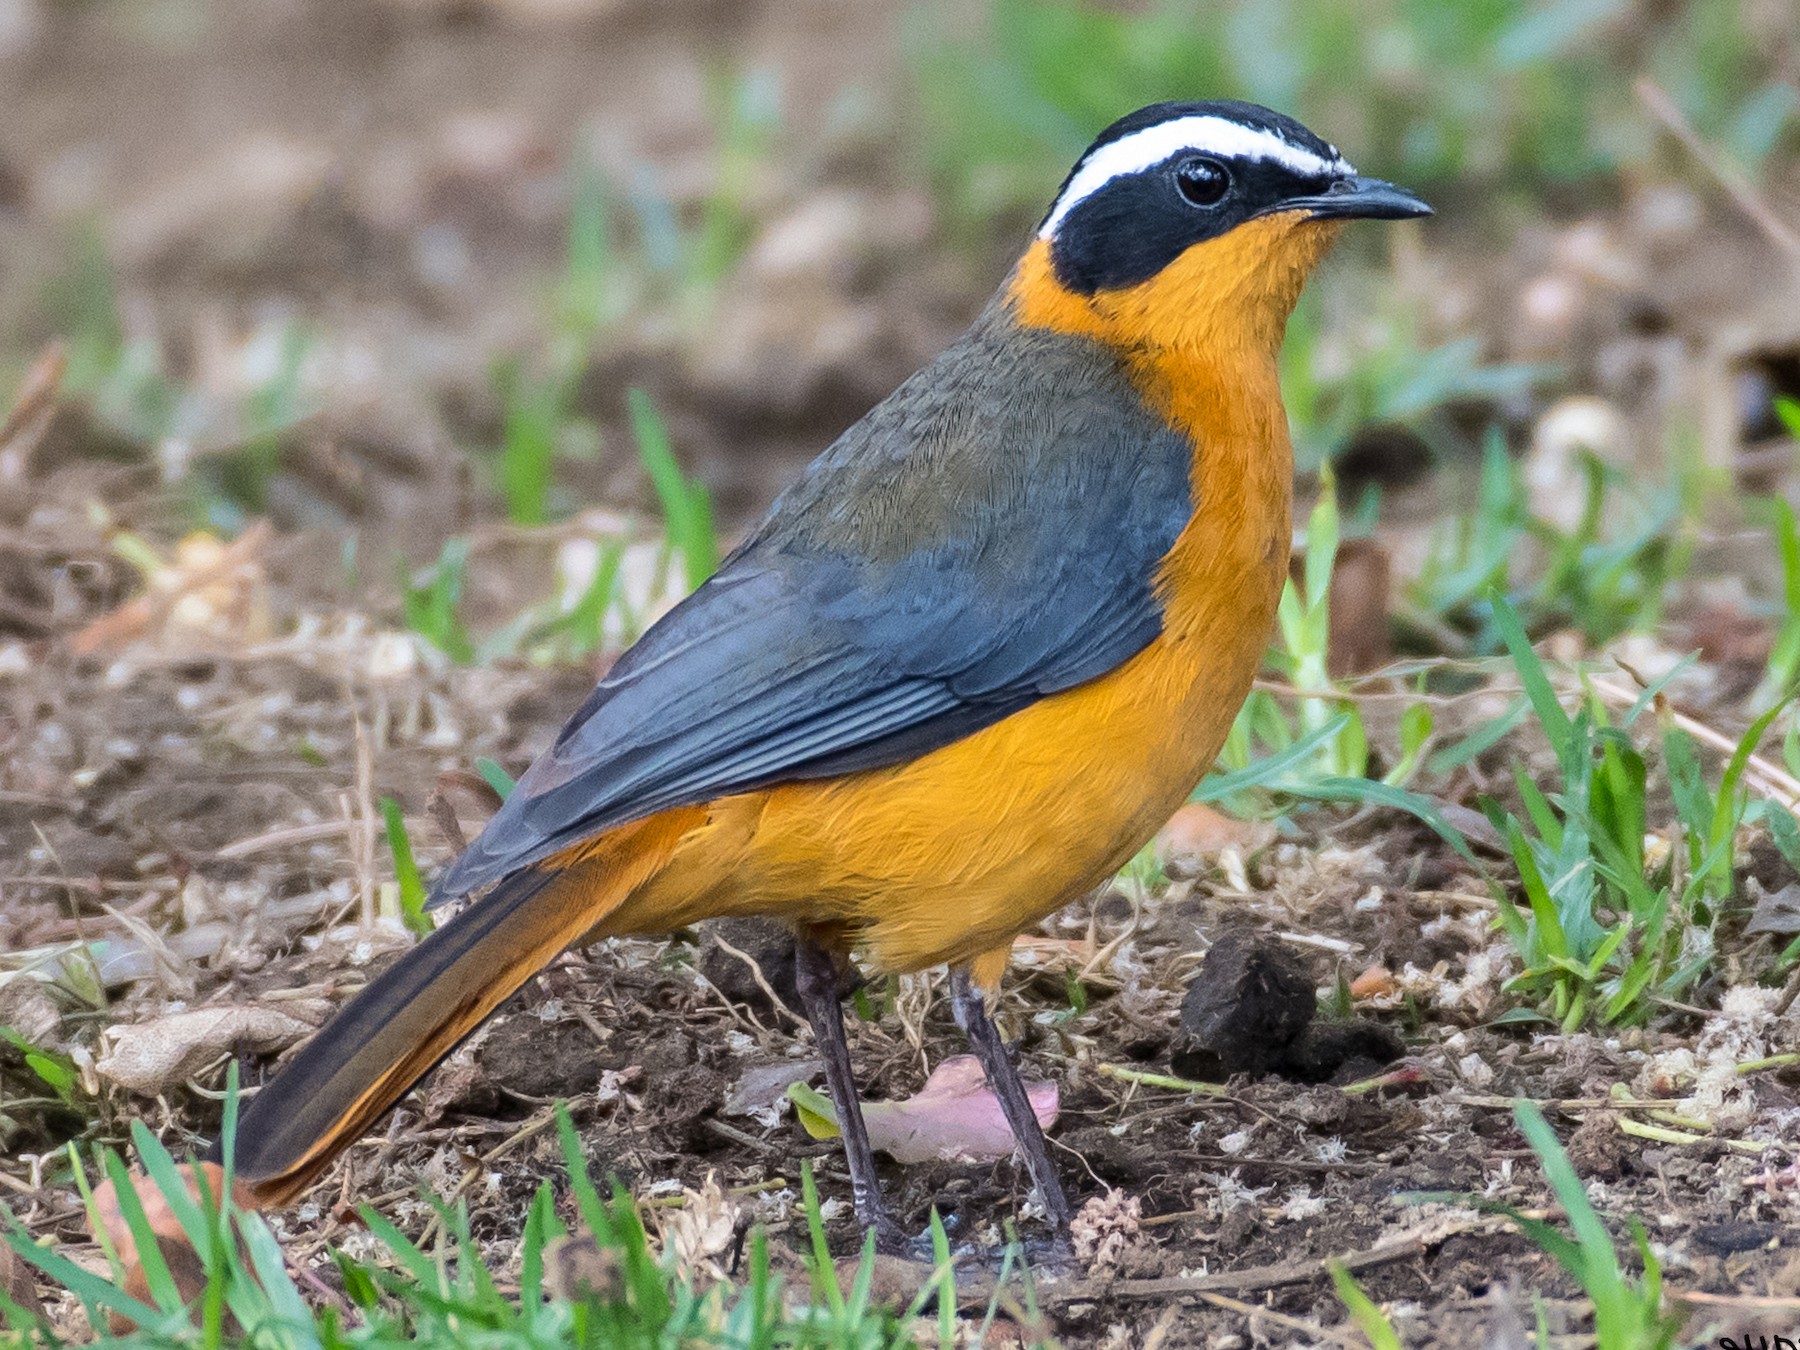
<point>1202,181</point>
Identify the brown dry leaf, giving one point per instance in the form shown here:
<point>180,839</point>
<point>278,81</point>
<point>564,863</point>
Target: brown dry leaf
<point>1375,982</point>
<point>955,1117</point>
<point>183,1261</point>
<point>1197,834</point>
<point>1777,913</point>
<point>145,1057</point>
<point>18,1282</point>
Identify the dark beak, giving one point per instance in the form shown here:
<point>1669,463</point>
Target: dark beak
<point>1359,199</point>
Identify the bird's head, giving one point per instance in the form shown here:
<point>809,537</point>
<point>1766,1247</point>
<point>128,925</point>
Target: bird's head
<point>1192,225</point>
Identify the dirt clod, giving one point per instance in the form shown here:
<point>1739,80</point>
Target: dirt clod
<point>1250,1010</point>
<point>1249,1001</point>
<point>734,952</point>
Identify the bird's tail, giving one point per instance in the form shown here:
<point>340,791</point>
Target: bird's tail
<point>412,1015</point>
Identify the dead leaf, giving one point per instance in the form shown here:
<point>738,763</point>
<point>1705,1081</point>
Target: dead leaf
<point>702,1229</point>
<point>1197,834</point>
<point>145,1057</point>
<point>759,1091</point>
<point>955,1117</point>
<point>1777,913</point>
<point>171,1240</point>
<point>18,1282</point>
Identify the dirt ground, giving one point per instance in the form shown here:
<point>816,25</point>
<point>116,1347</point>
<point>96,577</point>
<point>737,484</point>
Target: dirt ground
<point>188,784</point>
<point>197,815</point>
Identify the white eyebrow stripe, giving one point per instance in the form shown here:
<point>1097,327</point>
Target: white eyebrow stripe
<point>1202,134</point>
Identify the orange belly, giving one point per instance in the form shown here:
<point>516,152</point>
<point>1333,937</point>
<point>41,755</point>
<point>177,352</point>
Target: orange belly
<point>955,853</point>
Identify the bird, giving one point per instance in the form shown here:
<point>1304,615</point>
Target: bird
<point>958,675</point>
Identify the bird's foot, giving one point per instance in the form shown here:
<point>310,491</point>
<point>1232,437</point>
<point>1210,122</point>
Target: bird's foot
<point>1048,1253</point>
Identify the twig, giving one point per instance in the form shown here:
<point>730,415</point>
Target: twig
<point>151,609</point>
<point>1772,1062</point>
<point>1257,1278</point>
<point>30,417</point>
<point>1747,1302</point>
<point>1739,188</point>
<point>1160,1080</point>
<point>1406,1075</point>
<point>529,1130</point>
<point>1661,1135</point>
<point>737,1136</point>
<point>762,983</point>
<point>1573,1103</point>
<point>315,833</point>
<point>1312,1330</point>
<point>362,821</point>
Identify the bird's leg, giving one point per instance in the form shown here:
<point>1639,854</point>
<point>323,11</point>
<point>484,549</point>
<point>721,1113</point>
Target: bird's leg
<point>969,1004</point>
<point>821,991</point>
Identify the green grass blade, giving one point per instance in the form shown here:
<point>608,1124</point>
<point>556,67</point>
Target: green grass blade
<point>1599,1271</point>
<point>406,869</point>
<point>1368,791</point>
<point>495,777</point>
<point>581,1183</point>
<point>824,1274</point>
<point>96,1292</point>
<point>1556,722</point>
<point>1369,1319</point>
<point>164,1174</point>
<point>149,1253</point>
<point>687,513</point>
<point>1267,773</point>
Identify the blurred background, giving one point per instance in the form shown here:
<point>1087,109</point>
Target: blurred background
<point>391,271</point>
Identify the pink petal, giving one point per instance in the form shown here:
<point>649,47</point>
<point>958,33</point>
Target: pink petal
<point>954,1117</point>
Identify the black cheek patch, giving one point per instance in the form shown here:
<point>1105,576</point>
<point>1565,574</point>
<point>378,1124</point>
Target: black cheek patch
<point>1129,230</point>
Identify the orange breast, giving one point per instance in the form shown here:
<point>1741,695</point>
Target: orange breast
<point>954,853</point>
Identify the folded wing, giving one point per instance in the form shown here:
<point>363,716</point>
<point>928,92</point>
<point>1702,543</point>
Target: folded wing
<point>986,537</point>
